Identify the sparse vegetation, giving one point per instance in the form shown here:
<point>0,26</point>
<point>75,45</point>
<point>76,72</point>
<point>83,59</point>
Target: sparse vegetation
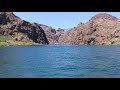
<point>7,41</point>
<point>3,38</point>
<point>113,41</point>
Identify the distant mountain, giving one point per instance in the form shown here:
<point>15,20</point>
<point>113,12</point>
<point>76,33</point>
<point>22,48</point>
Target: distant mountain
<point>52,34</point>
<point>102,29</point>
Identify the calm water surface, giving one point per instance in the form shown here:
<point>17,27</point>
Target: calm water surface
<point>59,61</point>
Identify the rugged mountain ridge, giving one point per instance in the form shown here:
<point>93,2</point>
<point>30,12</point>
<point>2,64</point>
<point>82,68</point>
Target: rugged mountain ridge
<point>20,30</point>
<point>52,34</point>
<point>102,29</point>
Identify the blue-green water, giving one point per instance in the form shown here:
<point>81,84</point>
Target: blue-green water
<point>59,61</point>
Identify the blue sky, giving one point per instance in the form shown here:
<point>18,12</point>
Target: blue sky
<point>63,20</point>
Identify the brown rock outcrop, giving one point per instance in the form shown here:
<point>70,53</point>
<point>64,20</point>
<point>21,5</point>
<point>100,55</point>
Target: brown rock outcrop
<point>20,30</point>
<point>97,31</point>
<point>52,34</point>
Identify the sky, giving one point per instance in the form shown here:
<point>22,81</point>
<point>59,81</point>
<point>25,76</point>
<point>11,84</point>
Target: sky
<point>57,20</point>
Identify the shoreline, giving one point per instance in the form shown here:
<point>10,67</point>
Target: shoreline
<point>59,45</point>
<point>13,43</point>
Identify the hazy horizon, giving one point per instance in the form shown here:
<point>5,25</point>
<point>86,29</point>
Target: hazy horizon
<point>64,20</point>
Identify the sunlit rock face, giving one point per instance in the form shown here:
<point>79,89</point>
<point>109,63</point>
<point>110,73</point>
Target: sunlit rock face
<point>11,25</point>
<point>100,29</point>
<point>52,34</point>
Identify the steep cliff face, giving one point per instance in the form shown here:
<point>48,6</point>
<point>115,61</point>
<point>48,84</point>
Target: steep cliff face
<point>52,34</point>
<point>100,29</point>
<point>20,30</point>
